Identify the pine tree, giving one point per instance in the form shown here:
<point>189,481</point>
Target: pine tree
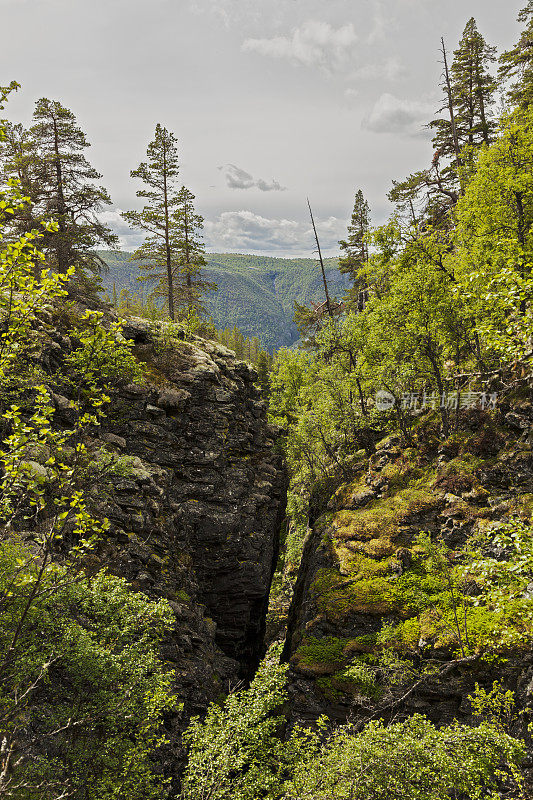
<point>187,243</point>
<point>474,86</point>
<point>66,190</point>
<point>466,123</point>
<point>159,173</point>
<point>517,63</point>
<point>49,162</point>
<point>18,156</point>
<point>355,248</point>
<point>469,95</point>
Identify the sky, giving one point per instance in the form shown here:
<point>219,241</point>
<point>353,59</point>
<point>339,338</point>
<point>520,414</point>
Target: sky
<point>272,101</point>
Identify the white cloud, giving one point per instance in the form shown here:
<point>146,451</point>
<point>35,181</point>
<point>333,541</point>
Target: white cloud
<point>314,44</point>
<point>380,24</point>
<point>129,238</point>
<point>390,69</point>
<point>245,231</point>
<point>237,178</point>
<point>233,12</point>
<point>351,93</point>
<point>390,114</point>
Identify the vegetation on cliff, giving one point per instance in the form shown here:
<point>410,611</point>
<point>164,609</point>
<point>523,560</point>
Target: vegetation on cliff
<point>82,687</point>
<point>407,425</point>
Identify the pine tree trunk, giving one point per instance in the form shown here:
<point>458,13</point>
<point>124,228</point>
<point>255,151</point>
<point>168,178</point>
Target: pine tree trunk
<point>328,302</point>
<point>167,239</point>
<point>61,255</point>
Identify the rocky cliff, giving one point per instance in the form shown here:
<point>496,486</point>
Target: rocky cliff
<point>361,572</point>
<point>195,516</point>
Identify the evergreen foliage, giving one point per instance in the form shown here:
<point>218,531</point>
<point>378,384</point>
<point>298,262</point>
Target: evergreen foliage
<point>190,286</point>
<point>516,64</point>
<point>49,163</point>
<point>468,123</point>
<point>472,89</point>
<point>159,174</point>
<point>82,688</point>
<point>172,253</point>
<point>355,249</point>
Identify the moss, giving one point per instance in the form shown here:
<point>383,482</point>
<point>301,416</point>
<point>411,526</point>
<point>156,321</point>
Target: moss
<point>336,598</point>
<point>405,473</point>
<point>320,656</point>
<point>383,517</point>
<point>375,587</point>
<point>345,494</point>
<point>459,474</point>
<point>328,690</point>
<point>357,678</point>
<point>524,507</point>
<point>150,370</point>
<point>361,644</point>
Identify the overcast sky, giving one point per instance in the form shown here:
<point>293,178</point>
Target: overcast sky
<point>271,100</point>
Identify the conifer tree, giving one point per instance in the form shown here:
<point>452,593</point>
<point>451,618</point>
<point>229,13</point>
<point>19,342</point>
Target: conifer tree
<point>68,193</point>
<point>355,248</point>
<point>517,63</point>
<point>49,162</point>
<point>474,86</point>
<point>18,158</point>
<point>159,174</point>
<point>187,243</point>
<point>469,90</point>
<point>466,122</point>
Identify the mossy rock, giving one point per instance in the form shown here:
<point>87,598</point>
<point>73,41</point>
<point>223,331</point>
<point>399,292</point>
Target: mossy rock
<point>337,598</point>
<point>384,517</point>
<point>361,644</point>
<point>357,679</point>
<point>524,507</point>
<point>352,495</point>
<point>322,656</point>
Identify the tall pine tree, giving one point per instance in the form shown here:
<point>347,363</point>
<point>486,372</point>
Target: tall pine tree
<point>50,163</point>
<point>469,96</point>
<point>355,251</point>
<point>516,64</point>
<point>187,242</point>
<point>465,122</point>
<point>159,174</point>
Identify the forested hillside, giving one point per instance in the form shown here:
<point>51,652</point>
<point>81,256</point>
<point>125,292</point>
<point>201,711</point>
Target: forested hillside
<point>255,293</point>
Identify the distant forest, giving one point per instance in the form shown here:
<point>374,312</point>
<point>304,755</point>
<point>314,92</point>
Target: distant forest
<point>255,293</point>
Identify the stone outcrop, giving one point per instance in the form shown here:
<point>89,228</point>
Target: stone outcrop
<point>195,503</point>
<point>359,570</point>
<point>197,519</point>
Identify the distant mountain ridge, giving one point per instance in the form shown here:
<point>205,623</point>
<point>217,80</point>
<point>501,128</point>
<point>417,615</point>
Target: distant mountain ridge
<point>256,293</point>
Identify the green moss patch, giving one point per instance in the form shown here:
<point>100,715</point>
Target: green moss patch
<point>320,656</point>
<point>385,516</point>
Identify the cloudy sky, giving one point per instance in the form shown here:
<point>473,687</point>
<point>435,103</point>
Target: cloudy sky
<point>272,100</point>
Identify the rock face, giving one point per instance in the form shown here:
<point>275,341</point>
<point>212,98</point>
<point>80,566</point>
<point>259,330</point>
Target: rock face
<point>195,506</point>
<point>359,570</point>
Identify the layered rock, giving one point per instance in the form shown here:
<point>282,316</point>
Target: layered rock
<point>197,515</point>
<point>195,501</point>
